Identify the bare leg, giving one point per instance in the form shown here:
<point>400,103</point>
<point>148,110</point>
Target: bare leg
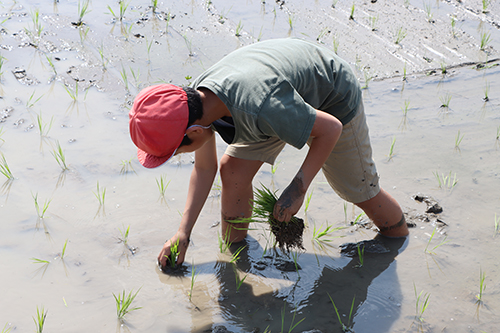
<point>236,196</point>
<point>386,213</point>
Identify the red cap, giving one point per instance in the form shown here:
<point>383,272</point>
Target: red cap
<point>158,122</point>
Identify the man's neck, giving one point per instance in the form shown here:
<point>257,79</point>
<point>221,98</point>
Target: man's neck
<point>213,107</point>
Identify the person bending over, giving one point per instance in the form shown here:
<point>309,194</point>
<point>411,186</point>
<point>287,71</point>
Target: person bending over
<point>259,98</point>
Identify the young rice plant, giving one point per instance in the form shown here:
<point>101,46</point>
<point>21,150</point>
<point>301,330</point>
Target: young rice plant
<point>124,302</point>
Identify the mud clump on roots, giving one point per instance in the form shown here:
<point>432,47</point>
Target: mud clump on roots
<point>288,234</point>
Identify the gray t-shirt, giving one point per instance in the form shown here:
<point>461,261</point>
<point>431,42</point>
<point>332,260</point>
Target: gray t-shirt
<point>272,88</point>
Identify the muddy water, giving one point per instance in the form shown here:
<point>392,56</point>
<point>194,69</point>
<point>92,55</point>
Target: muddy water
<point>78,290</point>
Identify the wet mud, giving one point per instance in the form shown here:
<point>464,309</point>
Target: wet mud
<point>72,85</point>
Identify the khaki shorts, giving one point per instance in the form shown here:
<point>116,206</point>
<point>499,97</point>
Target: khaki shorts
<point>350,169</point>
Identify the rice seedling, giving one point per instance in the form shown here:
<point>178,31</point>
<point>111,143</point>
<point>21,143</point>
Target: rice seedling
<point>443,68</point>
<point>40,210</point>
<point>351,15</point>
<point>258,37</point>
<point>149,44</point>
<point>404,72</point>
<point>373,22</point>
<point>83,32</point>
<point>1,133</point>
<point>136,75</point>
<point>236,255</point>
<point>73,93</point>
<point>124,234</point>
<point>2,62</point>
<point>41,317</point>
<point>345,212</point>
<point>274,167</point>
<point>399,35</point>
<point>124,302</point>
<point>482,286</point>
<point>217,187</point>
<point>322,34</point>
<point>123,74</point>
<point>223,245</point>
<point>193,279</point>
<point>445,100</point>
<point>126,167</point>
<point>446,181</point>
<point>100,194</point>
<point>121,11</point>
<point>361,255</point>
<point>453,26</point>
<point>83,9</point>
<point>458,140</point>
<point>288,234</point>
<point>104,61</point>
<point>334,3</point>
<point>60,157</point>
<point>308,201</point>
<point>63,252</point>
<point>498,133</point>
<point>321,235</point>
<point>295,258</point>
<point>345,328</point>
<point>174,252</point>
<point>421,303</point>
<point>391,149</point>
<point>485,3</point>
<point>335,44</point>
<point>486,90</point>
<point>358,218</point>
<point>51,64</point>
<point>154,5</point>
<point>189,45</point>
<point>6,329</point>
<point>31,101</point>
<point>367,78</point>
<point>40,261</point>
<point>406,108</point>
<point>444,241</point>
<point>162,184</point>
<point>428,12</point>
<point>497,224</point>
<point>485,40</point>
<point>4,168</point>
<point>239,29</point>
<point>37,25</point>
<point>290,21</point>
<point>43,129</point>
<point>239,281</point>
<point>292,324</point>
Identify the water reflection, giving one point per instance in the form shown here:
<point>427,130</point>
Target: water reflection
<point>370,294</point>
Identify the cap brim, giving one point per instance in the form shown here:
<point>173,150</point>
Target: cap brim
<point>151,161</point>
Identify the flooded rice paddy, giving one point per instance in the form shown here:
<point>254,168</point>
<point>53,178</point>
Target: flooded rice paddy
<point>82,223</point>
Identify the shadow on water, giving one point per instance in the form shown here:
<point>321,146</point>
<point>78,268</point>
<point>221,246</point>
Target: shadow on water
<point>370,294</point>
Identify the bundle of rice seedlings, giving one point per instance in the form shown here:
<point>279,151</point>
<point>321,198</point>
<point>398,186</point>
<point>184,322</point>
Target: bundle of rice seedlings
<point>288,234</point>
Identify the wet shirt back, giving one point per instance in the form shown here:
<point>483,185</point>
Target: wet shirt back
<point>272,88</point>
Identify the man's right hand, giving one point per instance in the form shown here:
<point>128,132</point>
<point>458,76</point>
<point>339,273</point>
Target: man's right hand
<point>183,243</point>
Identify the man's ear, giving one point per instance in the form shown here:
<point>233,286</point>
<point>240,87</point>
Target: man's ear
<point>194,130</point>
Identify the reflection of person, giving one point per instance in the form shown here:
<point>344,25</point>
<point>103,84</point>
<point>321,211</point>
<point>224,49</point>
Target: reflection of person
<point>258,98</point>
<point>370,293</point>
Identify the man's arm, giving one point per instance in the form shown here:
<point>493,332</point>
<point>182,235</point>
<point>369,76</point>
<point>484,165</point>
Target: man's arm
<point>325,133</point>
<point>200,183</point>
